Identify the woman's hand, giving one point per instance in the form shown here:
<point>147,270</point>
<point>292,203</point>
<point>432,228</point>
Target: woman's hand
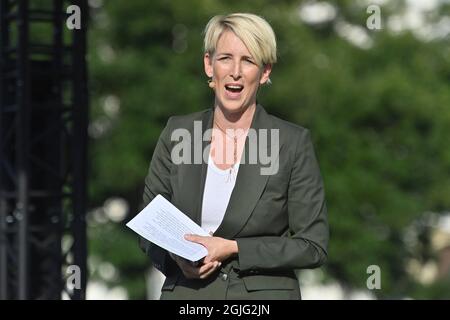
<point>219,249</point>
<point>192,272</point>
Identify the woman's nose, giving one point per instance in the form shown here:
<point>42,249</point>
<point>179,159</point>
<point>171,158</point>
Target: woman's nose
<point>236,70</point>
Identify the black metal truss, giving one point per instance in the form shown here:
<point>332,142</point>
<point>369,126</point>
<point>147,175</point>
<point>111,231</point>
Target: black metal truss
<point>43,145</point>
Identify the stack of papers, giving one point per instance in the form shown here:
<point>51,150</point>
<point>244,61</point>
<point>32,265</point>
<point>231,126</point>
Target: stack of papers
<point>163,224</point>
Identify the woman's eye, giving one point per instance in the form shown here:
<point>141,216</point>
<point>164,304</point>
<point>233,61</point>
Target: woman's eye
<point>249,61</point>
<point>224,58</point>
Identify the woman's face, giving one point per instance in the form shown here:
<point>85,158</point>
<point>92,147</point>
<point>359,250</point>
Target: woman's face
<point>235,73</point>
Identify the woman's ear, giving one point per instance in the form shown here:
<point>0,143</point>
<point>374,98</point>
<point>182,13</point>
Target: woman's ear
<point>207,61</point>
<point>267,69</point>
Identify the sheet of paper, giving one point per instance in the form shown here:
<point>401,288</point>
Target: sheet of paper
<point>163,224</point>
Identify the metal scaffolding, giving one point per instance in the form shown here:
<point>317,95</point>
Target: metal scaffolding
<point>43,145</point>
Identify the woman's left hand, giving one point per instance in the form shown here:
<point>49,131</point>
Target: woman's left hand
<point>219,249</point>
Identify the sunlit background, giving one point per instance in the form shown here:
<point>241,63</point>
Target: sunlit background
<point>376,101</point>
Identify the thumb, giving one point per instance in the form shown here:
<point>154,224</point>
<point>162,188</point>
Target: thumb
<point>193,238</point>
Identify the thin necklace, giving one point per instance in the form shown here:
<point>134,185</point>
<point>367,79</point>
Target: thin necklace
<point>235,138</point>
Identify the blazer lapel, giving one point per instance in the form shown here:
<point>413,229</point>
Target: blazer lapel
<point>193,176</point>
<point>249,185</point>
<point>207,123</point>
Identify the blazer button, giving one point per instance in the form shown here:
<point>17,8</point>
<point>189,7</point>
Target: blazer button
<point>224,276</point>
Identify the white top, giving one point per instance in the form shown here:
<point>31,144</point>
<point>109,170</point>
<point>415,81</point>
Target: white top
<point>218,187</point>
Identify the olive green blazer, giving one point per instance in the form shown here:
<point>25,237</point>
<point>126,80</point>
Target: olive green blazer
<point>279,221</point>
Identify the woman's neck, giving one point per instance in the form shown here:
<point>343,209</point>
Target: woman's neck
<point>234,120</point>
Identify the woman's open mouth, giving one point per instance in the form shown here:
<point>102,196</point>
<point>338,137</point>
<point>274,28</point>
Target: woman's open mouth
<point>233,91</point>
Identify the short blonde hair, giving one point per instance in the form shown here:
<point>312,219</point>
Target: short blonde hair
<point>254,31</point>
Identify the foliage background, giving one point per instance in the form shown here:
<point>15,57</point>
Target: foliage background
<point>377,104</point>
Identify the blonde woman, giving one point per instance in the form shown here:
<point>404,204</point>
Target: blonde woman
<point>264,225</point>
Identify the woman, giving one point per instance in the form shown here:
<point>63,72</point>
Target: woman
<point>264,226</point>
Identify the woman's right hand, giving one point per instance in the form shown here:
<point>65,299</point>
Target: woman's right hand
<point>190,271</point>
